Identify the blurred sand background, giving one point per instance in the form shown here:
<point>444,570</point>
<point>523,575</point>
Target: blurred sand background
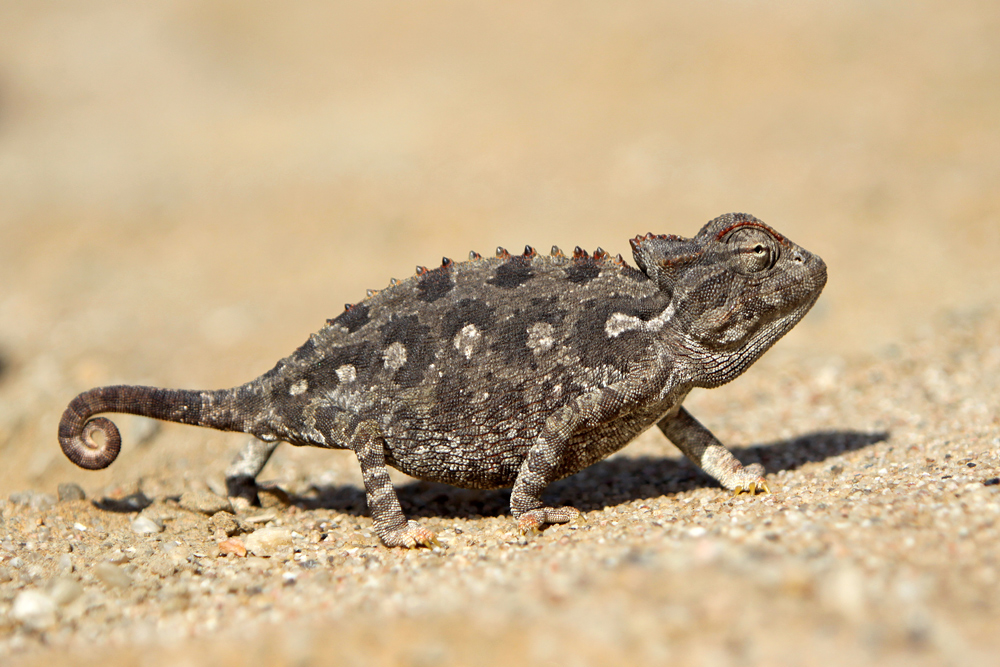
<point>189,189</point>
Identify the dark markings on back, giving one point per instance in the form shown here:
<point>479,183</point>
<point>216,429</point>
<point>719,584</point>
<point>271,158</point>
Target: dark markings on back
<point>323,373</point>
<point>434,285</point>
<point>582,272</point>
<point>512,334</point>
<point>514,272</point>
<point>467,311</point>
<point>416,338</point>
<point>592,342</point>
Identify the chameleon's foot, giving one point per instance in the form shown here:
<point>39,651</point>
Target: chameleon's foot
<point>410,537</point>
<point>242,492</point>
<point>750,479</point>
<point>533,521</point>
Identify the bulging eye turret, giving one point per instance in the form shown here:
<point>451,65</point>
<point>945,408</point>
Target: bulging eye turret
<point>753,249</point>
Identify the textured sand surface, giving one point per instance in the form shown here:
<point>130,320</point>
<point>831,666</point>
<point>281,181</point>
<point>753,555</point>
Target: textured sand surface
<point>188,190</point>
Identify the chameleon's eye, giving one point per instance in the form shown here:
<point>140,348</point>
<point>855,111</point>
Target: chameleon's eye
<point>753,249</point>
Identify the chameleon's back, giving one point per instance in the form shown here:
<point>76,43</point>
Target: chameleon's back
<point>468,360</point>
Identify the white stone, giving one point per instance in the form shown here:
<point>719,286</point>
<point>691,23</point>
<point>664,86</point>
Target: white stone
<point>143,525</point>
<point>268,542</point>
<point>112,576</point>
<point>34,609</point>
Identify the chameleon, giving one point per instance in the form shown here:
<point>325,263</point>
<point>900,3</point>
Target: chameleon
<point>510,371</point>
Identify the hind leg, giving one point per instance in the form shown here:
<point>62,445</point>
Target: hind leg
<point>387,516</point>
<point>241,475</point>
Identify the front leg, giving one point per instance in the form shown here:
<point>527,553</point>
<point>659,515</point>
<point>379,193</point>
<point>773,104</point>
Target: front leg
<point>539,469</point>
<point>387,516</point>
<point>545,461</point>
<point>705,451</point>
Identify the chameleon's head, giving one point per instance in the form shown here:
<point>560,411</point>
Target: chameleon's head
<point>736,288</point>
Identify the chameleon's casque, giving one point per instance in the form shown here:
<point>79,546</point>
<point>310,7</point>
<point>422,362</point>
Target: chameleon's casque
<point>514,370</point>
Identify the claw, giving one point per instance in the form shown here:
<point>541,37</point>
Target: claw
<point>529,526</point>
<point>752,488</point>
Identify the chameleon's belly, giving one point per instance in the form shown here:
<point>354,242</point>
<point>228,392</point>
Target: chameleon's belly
<point>493,458</point>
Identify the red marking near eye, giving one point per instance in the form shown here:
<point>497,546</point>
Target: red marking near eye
<point>759,225</point>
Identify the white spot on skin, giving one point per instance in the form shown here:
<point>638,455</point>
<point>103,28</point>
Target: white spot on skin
<point>540,338</point>
<point>298,388</point>
<point>466,339</point>
<point>619,323</point>
<point>394,356</point>
<point>347,373</point>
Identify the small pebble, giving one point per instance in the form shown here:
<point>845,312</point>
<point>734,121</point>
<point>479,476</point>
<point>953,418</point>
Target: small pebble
<point>117,557</point>
<point>204,502</point>
<point>143,525</point>
<point>64,590</point>
<point>34,609</point>
<point>232,546</point>
<point>70,491</point>
<point>112,576</point>
<point>225,523</point>
<point>268,542</point>
<point>65,563</point>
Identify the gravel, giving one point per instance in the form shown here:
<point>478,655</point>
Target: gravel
<point>879,543</point>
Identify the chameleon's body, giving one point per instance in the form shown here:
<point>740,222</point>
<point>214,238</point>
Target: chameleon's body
<point>508,371</point>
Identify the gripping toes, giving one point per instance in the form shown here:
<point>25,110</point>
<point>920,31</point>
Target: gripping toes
<point>750,479</point>
<point>534,520</point>
<point>410,536</point>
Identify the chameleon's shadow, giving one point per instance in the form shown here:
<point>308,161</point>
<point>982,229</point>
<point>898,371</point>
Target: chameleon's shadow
<point>608,483</point>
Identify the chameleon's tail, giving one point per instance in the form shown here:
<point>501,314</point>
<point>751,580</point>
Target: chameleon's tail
<point>214,409</point>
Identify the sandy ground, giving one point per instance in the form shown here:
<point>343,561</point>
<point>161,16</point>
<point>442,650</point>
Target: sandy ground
<point>187,190</point>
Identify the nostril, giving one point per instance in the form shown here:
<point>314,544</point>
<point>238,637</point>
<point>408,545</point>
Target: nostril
<point>798,258</point>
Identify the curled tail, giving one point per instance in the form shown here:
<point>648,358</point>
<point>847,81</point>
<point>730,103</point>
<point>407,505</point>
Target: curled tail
<point>214,409</point>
